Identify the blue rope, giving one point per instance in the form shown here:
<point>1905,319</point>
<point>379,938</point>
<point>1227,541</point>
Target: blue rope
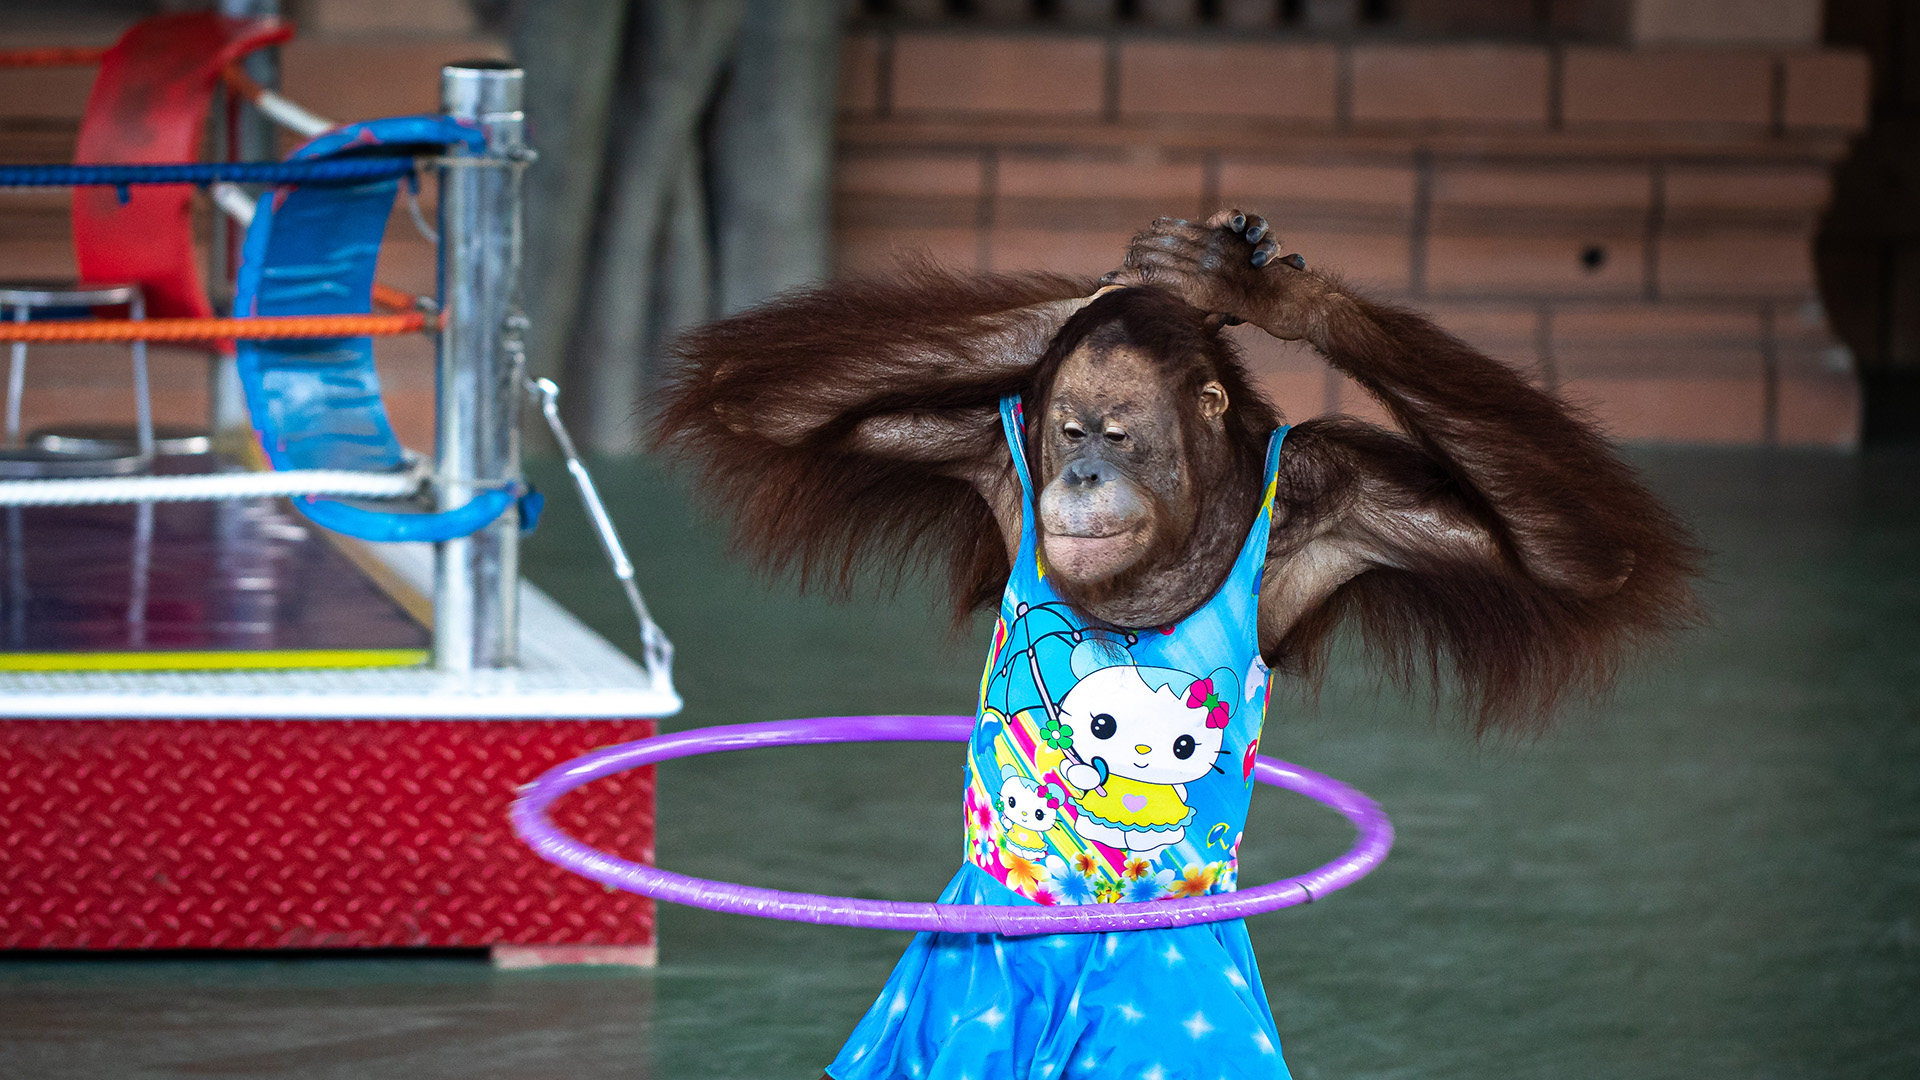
<point>238,172</point>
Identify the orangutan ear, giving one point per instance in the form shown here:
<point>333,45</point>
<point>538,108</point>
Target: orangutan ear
<point>1213,401</point>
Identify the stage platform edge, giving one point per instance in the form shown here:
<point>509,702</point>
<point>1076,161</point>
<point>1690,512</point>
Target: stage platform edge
<point>565,670</point>
<point>327,809</point>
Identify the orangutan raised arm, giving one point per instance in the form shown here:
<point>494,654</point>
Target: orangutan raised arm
<point>1500,530</point>
<point>863,362</point>
<point>857,423</point>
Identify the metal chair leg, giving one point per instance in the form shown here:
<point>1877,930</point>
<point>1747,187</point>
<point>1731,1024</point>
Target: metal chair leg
<point>16,380</point>
<point>142,392</point>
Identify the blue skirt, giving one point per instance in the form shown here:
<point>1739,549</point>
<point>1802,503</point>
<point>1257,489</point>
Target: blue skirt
<point>1181,1004</point>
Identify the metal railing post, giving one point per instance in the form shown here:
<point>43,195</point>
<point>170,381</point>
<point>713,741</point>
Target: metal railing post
<point>240,133</point>
<point>476,586</point>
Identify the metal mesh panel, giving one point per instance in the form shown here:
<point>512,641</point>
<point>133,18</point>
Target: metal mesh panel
<point>254,834</point>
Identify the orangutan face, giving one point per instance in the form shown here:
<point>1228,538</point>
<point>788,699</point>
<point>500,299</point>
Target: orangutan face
<point>1119,480</point>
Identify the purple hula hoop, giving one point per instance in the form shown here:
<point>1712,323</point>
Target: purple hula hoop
<point>529,814</point>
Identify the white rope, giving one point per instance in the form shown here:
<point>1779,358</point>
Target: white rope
<point>419,219</point>
<point>204,487</point>
<point>234,199</point>
<point>290,116</point>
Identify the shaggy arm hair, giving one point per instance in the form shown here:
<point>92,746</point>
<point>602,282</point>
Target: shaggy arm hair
<point>832,361</point>
<point>857,423</point>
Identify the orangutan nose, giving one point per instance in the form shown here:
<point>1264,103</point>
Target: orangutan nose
<point>1089,472</point>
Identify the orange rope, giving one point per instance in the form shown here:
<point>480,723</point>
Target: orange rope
<point>393,299</point>
<point>50,57</point>
<point>254,329</point>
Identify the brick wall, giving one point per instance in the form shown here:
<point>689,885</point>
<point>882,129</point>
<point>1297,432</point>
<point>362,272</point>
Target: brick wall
<point>1632,226</point>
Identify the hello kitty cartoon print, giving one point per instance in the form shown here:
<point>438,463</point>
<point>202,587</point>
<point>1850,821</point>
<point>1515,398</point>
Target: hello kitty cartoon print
<point>1127,742</point>
<point>1028,811</point>
<point>1148,733</point>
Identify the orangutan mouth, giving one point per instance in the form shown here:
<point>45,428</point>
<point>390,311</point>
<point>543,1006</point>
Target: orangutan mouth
<point>1093,556</point>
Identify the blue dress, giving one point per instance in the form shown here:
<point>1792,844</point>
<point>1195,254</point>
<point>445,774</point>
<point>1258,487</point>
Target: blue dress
<point>1106,765</point>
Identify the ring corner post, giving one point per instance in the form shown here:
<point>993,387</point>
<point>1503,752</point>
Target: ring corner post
<point>241,132</point>
<point>476,584</point>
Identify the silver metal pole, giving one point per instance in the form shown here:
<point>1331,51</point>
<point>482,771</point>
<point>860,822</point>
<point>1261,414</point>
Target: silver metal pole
<point>142,388</point>
<point>476,585</point>
<point>253,138</point>
<point>16,380</point>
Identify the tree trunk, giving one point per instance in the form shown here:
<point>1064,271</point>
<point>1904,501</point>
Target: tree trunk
<point>686,157</point>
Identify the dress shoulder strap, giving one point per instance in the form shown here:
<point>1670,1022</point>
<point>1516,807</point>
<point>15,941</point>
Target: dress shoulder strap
<point>1253,553</point>
<point>1013,423</point>
<point>1274,443</point>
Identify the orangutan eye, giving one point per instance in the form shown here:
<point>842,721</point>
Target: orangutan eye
<point>1117,435</point>
<point>1074,431</point>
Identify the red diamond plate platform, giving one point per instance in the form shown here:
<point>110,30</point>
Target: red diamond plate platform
<point>269,834</point>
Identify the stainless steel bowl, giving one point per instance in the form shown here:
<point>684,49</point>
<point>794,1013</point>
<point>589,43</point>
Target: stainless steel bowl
<point>169,440</point>
<point>35,463</point>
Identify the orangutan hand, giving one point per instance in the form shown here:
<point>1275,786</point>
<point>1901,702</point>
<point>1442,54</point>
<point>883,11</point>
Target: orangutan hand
<point>1230,267</point>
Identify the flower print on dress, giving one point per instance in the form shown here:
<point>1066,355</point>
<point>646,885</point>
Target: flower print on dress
<point>1022,875</point>
<point>1067,883</point>
<point>1227,879</point>
<point>1196,880</point>
<point>985,855</point>
<point>1151,887</point>
<point>1076,889</point>
<point>979,811</point>
<point>1056,734</point>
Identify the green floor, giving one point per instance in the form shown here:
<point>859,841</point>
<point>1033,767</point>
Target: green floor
<point>1716,876</point>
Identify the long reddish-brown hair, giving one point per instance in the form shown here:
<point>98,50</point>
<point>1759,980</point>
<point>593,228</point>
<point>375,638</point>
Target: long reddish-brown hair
<point>815,508</point>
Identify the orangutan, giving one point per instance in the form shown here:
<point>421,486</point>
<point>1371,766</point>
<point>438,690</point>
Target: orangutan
<point>1495,534</point>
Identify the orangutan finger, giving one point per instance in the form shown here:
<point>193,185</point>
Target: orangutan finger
<point>1231,220</point>
<point>1294,260</point>
<point>1256,228</point>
